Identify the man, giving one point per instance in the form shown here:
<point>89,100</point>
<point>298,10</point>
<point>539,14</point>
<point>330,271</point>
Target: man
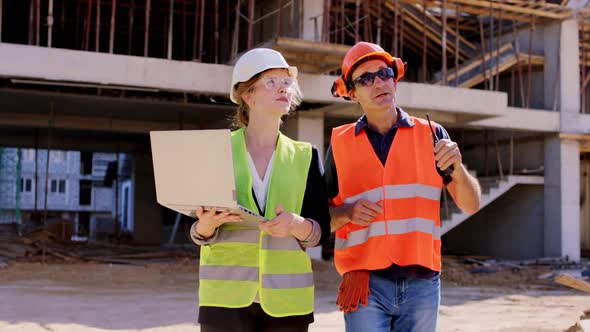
<point>385,175</point>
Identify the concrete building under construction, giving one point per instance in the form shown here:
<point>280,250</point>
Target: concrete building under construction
<point>507,78</point>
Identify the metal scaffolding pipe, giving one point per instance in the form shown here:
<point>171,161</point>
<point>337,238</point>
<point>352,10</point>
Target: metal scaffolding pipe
<point>184,30</point>
<point>170,28</point>
<point>356,21</point>
<point>195,31</point>
<point>278,28</point>
<point>498,49</point>
<point>395,28</point>
<point>325,19</point>
<point>491,84</point>
<point>216,33</point>
<point>112,27</point>
<point>49,22</point>
<point>584,84</point>
<point>38,20</point>
<point>32,20</point>
<point>201,28</point>
<point>0,21</point>
<point>401,37</point>
<point>424,41</point>
<point>235,39</point>
<point>379,22</point>
<point>367,22</point>
<point>131,19</point>
<point>530,69</point>
<point>88,22</point>
<point>457,36</point>
<point>97,32</point>
<point>342,21</point>
<point>444,41</point>
<point>250,23</point>
<point>483,52</point>
<point>146,32</point>
<point>519,67</point>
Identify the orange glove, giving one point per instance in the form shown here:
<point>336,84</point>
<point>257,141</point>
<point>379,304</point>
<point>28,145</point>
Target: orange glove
<point>354,289</point>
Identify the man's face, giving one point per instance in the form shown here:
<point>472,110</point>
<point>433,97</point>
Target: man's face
<point>380,94</point>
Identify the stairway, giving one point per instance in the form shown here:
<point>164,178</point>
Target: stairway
<point>471,73</point>
<point>491,188</point>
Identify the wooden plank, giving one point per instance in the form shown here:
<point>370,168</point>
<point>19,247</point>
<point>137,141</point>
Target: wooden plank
<point>511,12</point>
<point>544,12</point>
<point>569,281</point>
<point>507,61</point>
<point>412,17</point>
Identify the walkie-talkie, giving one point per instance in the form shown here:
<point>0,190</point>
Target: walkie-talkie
<point>448,171</point>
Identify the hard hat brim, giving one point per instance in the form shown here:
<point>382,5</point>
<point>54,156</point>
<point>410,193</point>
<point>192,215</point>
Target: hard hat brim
<point>293,72</point>
<point>388,58</point>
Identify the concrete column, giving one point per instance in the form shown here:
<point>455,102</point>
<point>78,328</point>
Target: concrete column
<point>562,198</point>
<point>313,13</point>
<point>147,214</point>
<point>562,157</point>
<point>561,71</point>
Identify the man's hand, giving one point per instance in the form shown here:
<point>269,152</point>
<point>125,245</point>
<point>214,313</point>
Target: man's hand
<point>362,212</point>
<point>447,153</point>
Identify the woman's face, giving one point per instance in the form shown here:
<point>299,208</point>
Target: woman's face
<point>273,92</point>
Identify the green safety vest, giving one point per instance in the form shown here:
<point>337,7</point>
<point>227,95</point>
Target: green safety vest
<point>243,261</point>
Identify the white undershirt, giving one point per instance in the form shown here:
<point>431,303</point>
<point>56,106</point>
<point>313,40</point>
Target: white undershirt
<point>260,186</point>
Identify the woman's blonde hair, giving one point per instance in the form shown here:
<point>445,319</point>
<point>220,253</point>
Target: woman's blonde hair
<point>242,116</point>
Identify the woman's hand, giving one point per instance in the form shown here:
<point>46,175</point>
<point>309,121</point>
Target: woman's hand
<point>210,219</point>
<point>287,224</point>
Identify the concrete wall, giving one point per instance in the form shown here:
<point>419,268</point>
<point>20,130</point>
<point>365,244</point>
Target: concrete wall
<point>528,150</point>
<point>509,228</point>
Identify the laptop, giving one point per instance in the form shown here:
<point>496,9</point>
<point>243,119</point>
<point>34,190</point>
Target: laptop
<point>194,168</point>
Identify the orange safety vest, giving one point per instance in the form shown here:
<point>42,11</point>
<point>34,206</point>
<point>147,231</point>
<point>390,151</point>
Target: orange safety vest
<point>408,188</point>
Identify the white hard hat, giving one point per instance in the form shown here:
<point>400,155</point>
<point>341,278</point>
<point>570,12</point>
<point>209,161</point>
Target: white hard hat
<point>256,61</point>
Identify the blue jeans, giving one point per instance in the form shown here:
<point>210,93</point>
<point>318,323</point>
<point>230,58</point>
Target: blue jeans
<point>401,305</point>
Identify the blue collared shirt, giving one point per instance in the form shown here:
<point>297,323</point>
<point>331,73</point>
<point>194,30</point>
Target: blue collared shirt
<point>382,143</point>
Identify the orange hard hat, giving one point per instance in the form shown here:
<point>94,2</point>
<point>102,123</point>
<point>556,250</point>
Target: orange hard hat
<point>359,53</point>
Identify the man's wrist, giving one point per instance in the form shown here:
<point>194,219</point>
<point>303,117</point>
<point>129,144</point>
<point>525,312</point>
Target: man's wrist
<point>459,174</point>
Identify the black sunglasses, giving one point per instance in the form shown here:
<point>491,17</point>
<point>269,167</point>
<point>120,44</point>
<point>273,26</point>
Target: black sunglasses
<point>367,79</point>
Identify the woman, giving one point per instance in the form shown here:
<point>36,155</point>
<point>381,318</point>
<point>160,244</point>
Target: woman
<point>260,279</point>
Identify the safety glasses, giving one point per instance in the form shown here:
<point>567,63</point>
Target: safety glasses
<point>367,79</point>
<point>274,82</point>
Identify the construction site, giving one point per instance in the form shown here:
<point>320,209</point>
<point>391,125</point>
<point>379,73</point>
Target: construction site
<point>84,246</point>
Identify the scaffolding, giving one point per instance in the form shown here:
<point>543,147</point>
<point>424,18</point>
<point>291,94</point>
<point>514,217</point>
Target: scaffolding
<point>466,43</point>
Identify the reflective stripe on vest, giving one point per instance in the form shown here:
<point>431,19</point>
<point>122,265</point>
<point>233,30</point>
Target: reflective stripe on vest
<point>243,261</point>
<point>407,187</point>
<point>393,227</point>
<point>398,191</point>
<point>244,273</point>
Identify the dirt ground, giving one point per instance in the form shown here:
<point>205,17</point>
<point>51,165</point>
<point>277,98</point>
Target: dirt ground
<point>162,297</point>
